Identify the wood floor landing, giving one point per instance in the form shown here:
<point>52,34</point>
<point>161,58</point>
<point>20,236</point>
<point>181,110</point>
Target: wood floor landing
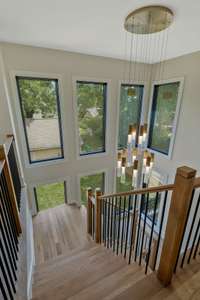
<point>58,231</point>
<point>71,266</point>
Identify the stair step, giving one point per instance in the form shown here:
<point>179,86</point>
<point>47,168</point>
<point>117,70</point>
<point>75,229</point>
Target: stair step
<point>63,257</point>
<point>111,285</point>
<point>78,275</point>
<point>69,263</point>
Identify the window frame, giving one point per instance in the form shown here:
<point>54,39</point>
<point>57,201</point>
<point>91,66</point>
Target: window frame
<point>36,196</point>
<point>32,186</point>
<point>180,80</point>
<point>94,172</point>
<point>143,107</point>
<point>17,78</point>
<point>142,85</point>
<point>106,151</point>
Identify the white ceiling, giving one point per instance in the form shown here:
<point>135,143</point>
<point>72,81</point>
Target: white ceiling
<point>91,26</point>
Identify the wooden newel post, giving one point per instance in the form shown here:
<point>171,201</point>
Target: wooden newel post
<point>11,189</point>
<point>179,207</point>
<point>89,195</point>
<point>98,194</point>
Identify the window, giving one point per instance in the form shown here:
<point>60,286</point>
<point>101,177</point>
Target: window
<point>91,181</point>
<point>130,110</point>
<point>50,195</point>
<point>156,179</point>
<point>40,109</point>
<point>127,186</point>
<point>163,113</point>
<point>91,102</point>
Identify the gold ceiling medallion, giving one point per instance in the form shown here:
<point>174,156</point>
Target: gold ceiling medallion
<point>149,19</point>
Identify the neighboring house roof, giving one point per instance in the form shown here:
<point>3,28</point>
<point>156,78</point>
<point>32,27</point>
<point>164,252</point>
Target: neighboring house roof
<point>43,133</point>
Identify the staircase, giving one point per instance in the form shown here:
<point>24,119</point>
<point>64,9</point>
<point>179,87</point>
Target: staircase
<point>92,272</point>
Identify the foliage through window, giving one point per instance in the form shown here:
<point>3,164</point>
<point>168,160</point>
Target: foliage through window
<point>91,102</point>
<point>163,113</point>
<point>40,108</point>
<point>130,110</point>
<point>91,181</point>
<point>50,195</point>
<point>124,186</point>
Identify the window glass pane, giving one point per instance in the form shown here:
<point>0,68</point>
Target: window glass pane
<point>162,116</point>
<point>91,101</point>
<point>130,110</point>
<point>154,181</point>
<point>91,181</point>
<point>50,195</point>
<point>124,186</point>
<point>39,101</point>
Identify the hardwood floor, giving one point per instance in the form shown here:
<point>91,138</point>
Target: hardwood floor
<point>58,231</point>
<point>71,266</point>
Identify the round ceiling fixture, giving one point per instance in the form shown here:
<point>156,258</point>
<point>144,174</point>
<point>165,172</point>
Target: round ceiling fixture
<point>149,19</point>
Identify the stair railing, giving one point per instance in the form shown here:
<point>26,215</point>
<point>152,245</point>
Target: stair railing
<point>127,223</point>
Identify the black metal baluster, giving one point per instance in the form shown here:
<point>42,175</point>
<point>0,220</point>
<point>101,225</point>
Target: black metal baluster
<point>160,230</point>
<point>102,216</point>
<point>122,233</point>
<point>8,236</point>
<point>132,231</point>
<point>115,215</point>
<point>197,247</point>
<point>111,225</point>
<point>8,250</point>
<point>182,238</point>
<point>194,241</point>
<point>127,228</point>
<point>7,266</point>
<point>3,290</point>
<point>190,232</point>
<point>152,230</point>
<point>138,229</point>
<point>6,279</point>
<point>144,226</point>
<point>105,222</point>
<point>8,219</point>
<point>119,225</point>
<point>108,228</point>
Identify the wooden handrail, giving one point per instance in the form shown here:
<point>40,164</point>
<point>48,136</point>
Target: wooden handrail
<point>197,182</point>
<point>154,189</point>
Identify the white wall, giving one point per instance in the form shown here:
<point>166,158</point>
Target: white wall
<point>68,66</point>
<point>187,141</point>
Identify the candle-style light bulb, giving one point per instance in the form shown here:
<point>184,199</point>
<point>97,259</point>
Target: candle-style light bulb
<point>119,164</point>
<point>134,155</point>
<point>135,174</point>
<point>147,170</point>
<point>123,173</point>
<point>144,133</point>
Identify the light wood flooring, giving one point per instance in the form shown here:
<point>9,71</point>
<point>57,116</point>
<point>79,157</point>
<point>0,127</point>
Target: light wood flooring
<point>71,266</point>
<point>59,230</point>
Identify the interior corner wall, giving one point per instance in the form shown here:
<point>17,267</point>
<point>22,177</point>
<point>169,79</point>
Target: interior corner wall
<point>69,66</point>
<point>187,141</point>
<point>5,118</point>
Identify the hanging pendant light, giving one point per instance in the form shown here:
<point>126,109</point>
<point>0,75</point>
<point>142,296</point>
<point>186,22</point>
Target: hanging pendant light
<point>147,28</point>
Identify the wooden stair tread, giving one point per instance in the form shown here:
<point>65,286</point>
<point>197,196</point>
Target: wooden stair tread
<point>68,266</point>
<point>78,275</point>
<point>39,269</point>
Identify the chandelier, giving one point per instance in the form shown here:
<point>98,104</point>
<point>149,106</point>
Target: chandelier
<point>148,32</point>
